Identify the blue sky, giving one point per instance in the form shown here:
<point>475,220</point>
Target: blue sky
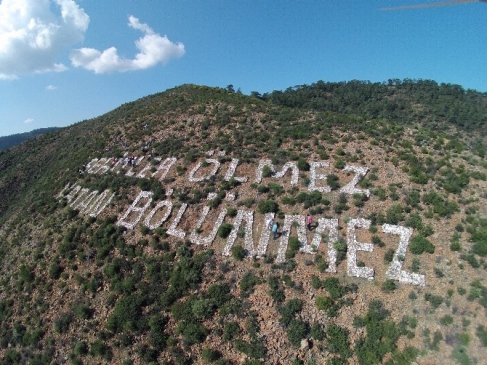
<point>63,61</point>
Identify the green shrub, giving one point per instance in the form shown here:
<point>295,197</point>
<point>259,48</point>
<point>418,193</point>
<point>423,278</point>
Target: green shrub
<point>55,270</point>
<point>61,324</point>
<point>267,206</point>
<point>446,320</point>
<point>328,305</point>
<point>98,348</point>
<point>266,171</point>
<point>238,252</point>
<point>388,286</point>
<point>293,243</point>
<point>80,348</point>
<point>296,331</point>
<point>339,163</point>
<point>289,309</point>
<point>224,230</point>
<point>317,332</point>
<point>208,355</point>
<point>435,300</point>
<point>420,244</point>
<point>394,214</point>
<point>479,237</point>
<point>333,181</point>
<point>231,331</point>
<point>192,332</point>
<point>481,333</point>
<point>303,165</point>
<point>455,246</point>
<point>389,255</point>
<point>381,334</point>
<point>337,340</point>
<point>83,311</point>
<point>219,293</point>
<point>26,273</point>
<point>249,280</point>
<point>255,350</point>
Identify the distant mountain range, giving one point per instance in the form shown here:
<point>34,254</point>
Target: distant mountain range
<point>16,139</point>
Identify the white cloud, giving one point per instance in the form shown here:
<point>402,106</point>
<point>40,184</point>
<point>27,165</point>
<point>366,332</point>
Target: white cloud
<point>32,37</point>
<point>153,49</point>
<point>51,87</point>
<point>28,120</point>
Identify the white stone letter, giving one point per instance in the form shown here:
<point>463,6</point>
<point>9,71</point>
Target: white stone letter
<point>200,240</point>
<point>350,187</point>
<point>173,229</point>
<point>313,165</point>
<point>248,217</point>
<point>287,166</point>
<point>395,271</point>
<point>323,225</point>
<point>216,166</point>
<point>286,230</point>
<point>135,212</point>
<point>147,220</point>
<point>231,172</point>
<point>354,246</point>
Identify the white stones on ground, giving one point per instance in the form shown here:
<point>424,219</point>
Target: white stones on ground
<point>146,170</point>
<point>395,271</point>
<point>160,221</point>
<point>264,235</point>
<point>330,225</point>
<point>75,200</point>
<point>99,203</point>
<point>354,246</point>
<point>73,193</point>
<point>286,231</point>
<point>277,175</point>
<point>211,196</point>
<point>104,166</point>
<point>83,199</point>
<point>360,172</point>
<point>304,344</point>
<point>90,166</point>
<point>134,213</point>
<point>231,171</point>
<point>131,172</point>
<point>314,176</point>
<point>117,163</point>
<point>216,166</point>
<point>163,168</point>
<point>60,195</point>
<point>248,218</point>
<point>198,239</point>
<point>173,229</point>
<point>92,203</point>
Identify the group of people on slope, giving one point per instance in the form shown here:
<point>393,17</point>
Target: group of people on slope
<point>274,226</point>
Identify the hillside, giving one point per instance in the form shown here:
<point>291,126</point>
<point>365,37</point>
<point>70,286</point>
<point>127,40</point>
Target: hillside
<point>141,236</point>
<point>16,139</point>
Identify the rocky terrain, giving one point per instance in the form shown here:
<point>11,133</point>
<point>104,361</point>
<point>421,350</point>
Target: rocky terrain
<point>141,236</point>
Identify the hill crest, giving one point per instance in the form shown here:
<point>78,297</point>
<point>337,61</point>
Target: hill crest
<point>130,261</point>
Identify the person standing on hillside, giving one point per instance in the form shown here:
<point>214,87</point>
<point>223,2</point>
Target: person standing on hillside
<point>309,221</point>
<point>274,229</point>
<point>269,223</point>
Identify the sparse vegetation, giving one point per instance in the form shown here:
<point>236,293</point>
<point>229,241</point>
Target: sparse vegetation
<point>153,290</point>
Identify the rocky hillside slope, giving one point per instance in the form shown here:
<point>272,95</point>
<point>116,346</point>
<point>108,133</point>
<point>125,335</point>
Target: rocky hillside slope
<point>142,236</point>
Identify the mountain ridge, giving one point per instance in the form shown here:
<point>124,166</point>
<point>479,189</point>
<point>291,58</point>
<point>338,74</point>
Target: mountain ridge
<point>89,277</point>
